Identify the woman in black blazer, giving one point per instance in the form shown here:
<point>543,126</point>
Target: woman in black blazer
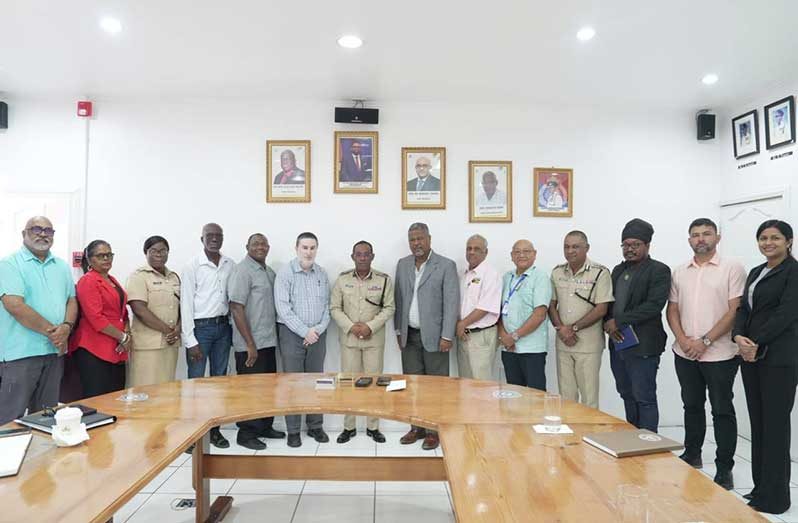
<point>766,332</point>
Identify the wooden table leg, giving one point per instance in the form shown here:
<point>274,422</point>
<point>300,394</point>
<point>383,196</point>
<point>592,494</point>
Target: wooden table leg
<point>200,482</point>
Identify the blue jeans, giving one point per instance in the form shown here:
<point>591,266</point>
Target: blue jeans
<point>636,381</point>
<point>214,341</point>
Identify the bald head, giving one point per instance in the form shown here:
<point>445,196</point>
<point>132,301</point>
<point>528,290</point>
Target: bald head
<point>38,236</point>
<point>523,255</point>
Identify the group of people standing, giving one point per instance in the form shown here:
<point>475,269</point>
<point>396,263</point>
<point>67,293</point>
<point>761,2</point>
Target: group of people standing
<point>721,320</point>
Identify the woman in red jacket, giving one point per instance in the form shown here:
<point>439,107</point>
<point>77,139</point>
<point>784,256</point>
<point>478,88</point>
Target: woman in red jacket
<point>101,342</point>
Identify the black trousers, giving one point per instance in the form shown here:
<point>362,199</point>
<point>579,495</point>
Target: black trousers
<point>770,395</point>
<point>265,364</point>
<point>528,370</point>
<point>717,377</point>
<point>98,376</point>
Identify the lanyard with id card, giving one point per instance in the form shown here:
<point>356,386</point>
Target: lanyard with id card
<point>513,288</point>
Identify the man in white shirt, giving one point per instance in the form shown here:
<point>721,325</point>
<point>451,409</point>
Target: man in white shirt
<point>204,312</point>
<point>490,196</point>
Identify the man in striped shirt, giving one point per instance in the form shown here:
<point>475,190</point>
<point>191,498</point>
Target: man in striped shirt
<point>302,298</point>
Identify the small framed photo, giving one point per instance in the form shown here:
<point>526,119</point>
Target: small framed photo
<point>288,171</point>
<point>423,177</point>
<point>745,129</point>
<point>356,162</point>
<point>554,192</point>
<point>780,123</point>
<point>490,191</point>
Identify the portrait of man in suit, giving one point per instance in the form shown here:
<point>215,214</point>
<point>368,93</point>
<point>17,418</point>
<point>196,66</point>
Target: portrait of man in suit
<point>290,173</point>
<point>424,181</point>
<point>355,160</point>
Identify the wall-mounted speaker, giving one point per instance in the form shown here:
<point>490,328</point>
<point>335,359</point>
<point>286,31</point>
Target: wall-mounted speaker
<point>356,115</point>
<point>705,125</point>
<point>3,115</point>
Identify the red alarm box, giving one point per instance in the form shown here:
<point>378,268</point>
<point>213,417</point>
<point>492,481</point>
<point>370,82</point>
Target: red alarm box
<point>84,109</point>
<point>77,258</point>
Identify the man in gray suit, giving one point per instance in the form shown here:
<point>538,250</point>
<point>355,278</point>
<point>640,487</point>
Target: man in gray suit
<point>427,295</point>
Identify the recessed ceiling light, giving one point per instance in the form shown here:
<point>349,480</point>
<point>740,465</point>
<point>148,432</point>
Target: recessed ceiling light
<point>586,33</point>
<point>111,25</point>
<point>709,79</point>
<point>350,41</point>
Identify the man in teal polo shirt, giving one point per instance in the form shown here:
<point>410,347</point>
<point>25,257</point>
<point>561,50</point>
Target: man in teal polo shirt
<point>523,333</point>
<point>37,315</point>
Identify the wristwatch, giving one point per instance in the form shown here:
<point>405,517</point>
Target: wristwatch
<point>514,335</point>
<point>706,340</point>
<point>575,327</point>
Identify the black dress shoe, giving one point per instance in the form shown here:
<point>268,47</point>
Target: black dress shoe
<point>749,496</point>
<point>189,450</point>
<point>271,433</point>
<point>346,435</point>
<point>251,443</point>
<point>725,479</point>
<point>376,435</point>
<point>217,440</point>
<point>693,460</point>
<point>319,435</point>
<point>294,440</point>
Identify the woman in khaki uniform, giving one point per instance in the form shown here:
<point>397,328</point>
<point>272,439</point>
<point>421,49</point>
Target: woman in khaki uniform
<point>154,297</point>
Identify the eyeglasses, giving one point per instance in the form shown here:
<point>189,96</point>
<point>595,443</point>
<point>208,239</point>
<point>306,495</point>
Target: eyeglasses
<point>104,256</point>
<point>423,166</point>
<point>158,252</point>
<point>39,231</point>
<point>632,245</point>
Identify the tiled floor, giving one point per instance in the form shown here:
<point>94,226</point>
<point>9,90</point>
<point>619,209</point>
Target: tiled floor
<point>300,501</point>
<point>353,502</point>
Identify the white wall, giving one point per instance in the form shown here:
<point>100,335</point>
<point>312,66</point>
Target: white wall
<point>168,167</point>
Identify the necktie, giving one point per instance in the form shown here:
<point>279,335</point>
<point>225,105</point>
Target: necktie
<point>357,161</point>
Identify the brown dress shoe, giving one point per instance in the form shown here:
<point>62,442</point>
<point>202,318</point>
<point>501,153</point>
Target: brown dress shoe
<point>415,434</point>
<point>431,441</point>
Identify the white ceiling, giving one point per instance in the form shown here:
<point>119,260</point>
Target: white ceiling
<point>645,52</point>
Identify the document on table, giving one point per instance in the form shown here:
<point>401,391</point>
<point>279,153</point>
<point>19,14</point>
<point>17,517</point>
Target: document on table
<point>12,452</point>
<point>396,385</point>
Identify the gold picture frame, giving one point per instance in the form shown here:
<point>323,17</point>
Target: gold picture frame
<point>288,186</point>
<point>490,191</point>
<point>554,192</point>
<point>356,171</point>
<point>424,192</point>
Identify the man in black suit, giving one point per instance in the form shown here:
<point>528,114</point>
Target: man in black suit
<point>355,166</point>
<point>424,181</point>
<point>641,287</point>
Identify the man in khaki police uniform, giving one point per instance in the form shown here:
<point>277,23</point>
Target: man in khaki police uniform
<point>360,303</point>
<point>582,293</point>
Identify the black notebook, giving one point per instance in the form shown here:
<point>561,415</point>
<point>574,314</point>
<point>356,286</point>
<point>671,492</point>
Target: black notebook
<point>45,422</point>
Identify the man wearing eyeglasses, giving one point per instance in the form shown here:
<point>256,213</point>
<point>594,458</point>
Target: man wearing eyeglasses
<point>360,303</point>
<point>634,324</point>
<point>582,292</point>
<point>424,181</point>
<point>38,313</point>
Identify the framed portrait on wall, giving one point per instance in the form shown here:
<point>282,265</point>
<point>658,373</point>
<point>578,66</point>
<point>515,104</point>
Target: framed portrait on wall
<point>780,123</point>
<point>490,191</point>
<point>745,133</point>
<point>554,192</point>
<point>288,171</point>
<point>423,177</point>
<point>356,162</point>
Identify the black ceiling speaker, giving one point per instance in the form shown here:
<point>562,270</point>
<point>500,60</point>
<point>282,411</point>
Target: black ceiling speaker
<point>705,125</point>
<point>3,115</point>
<point>356,115</point>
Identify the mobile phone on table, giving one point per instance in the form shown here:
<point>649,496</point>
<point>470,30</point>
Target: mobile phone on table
<point>383,381</point>
<point>364,381</point>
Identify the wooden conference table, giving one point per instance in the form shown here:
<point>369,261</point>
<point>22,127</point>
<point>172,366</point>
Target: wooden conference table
<point>498,468</point>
